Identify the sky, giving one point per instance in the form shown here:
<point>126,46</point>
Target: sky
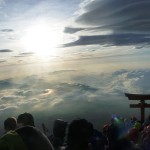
<point>73,58</point>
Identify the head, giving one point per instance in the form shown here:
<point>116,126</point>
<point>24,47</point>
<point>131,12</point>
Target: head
<point>133,118</point>
<point>106,129</point>
<point>59,128</point>
<point>79,132</point>
<point>138,126</point>
<point>133,134</point>
<point>25,119</point>
<point>10,124</point>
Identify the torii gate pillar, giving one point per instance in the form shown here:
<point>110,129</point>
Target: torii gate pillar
<point>142,103</point>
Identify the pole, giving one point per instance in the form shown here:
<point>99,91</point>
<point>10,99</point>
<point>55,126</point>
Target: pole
<point>142,111</point>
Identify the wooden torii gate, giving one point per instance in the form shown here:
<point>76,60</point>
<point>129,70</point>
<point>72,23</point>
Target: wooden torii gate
<point>142,103</point>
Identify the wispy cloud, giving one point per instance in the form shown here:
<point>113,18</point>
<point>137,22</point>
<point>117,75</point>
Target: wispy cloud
<point>27,54</point>
<point>7,30</point>
<point>62,71</point>
<point>117,15</point>
<point>6,83</point>
<point>2,61</point>
<point>112,40</point>
<point>5,50</point>
<point>2,2</point>
<point>72,30</point>
<point>9,98</point>
<point>113,22</point>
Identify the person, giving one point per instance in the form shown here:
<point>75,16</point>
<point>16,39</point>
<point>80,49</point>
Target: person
<point>97,140</point>
<point>113,132</point>
<point>133,120</point>
<point>125,144</point>
<point>146,138</point>
<point>105,132</point>
<point>147,122</point>
<point>59,133</point>
<point>78,136</point>
<point>10,124</point>
<point>25,119</point>
<point>25,138</point>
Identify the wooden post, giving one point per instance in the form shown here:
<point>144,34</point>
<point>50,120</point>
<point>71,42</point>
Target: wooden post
<point>142,105</point>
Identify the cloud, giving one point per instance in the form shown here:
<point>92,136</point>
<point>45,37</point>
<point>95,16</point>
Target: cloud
<point>117,15</point>
<point>2,2</point>
<point>80,84</point>
<point>24,93</point>
<point>134,81</point>
<point>7,83</point>
<point>8,109</point>
<point>27,54</point>
<point>7,30</point>
<point>64,87</point>
<point>62,71</point>
<point>112,40</point>
<point>5,50</point>
<point>9,98</point>
<point>46,92</point>
<point>57,94</point>
<point>141,80</point>
<point>90,88</point>
<point>72,30</point>
<point>113,22</point>
<point>2,61</point>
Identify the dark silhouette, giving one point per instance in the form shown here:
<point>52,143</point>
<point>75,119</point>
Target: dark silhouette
<point>59,133</point>
<point>97,140</point>
<point>10,124</point>
<point>45,130</point>
<point>113,132</point>
<point>120,134</point>
<point>146,138</point>
<point>142,105</point>
<point>123,144</point>
<point>34,139</point>
<point>25,138</point>
<point>79,133</point>
<point>25,119</point>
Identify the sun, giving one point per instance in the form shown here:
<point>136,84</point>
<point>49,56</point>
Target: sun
<point>41,39</point>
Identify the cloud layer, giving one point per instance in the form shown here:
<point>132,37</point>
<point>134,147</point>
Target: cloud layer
<point>112,40</point>
<point>75,97</point>
<point>117,15</point>
<point>112,22</point>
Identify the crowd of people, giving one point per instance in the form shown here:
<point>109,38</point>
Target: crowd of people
<point>119,134</point>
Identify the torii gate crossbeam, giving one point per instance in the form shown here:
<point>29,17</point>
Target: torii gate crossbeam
<point>142,103</point>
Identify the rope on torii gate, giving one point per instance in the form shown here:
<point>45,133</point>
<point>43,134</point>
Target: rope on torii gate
<point>142,104</point>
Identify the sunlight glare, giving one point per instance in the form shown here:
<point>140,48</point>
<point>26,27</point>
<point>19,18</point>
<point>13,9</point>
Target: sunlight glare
<point>41,39</point>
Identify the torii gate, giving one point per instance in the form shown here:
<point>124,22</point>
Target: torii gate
<point>142,103</point>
